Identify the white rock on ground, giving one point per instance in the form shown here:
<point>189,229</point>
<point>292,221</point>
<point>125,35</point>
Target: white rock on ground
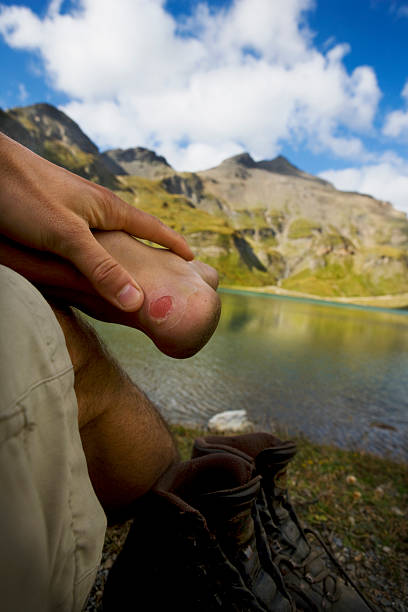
<point>233,421</point>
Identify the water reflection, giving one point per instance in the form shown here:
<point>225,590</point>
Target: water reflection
<point>303,323</point>
<point>336,374</point>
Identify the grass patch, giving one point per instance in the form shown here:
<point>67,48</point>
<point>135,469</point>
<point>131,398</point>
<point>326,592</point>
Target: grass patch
<point>233,271</point>
<point>387,251</point>
<point>334,240</point>
<point>303,228</point>
<point>22,118</point>
<point>338,278</point>
<point>174,210</point>
<point>74,160</point>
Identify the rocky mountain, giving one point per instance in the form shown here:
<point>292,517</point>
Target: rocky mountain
<point>53,135</point>
<point>309,235</point>
<point>258,222</point>
<point>137,161</point>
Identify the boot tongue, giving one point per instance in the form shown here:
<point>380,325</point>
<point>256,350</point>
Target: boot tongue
<point>209,474</point>
<point>250,445</point>
<point>272,462</point>
<point>222,488</point>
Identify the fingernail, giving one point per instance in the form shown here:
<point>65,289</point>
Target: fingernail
<point>129,296</point>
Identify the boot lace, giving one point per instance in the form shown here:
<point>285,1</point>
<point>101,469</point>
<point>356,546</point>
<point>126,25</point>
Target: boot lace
<point>227,586</point>
<point>284,548</point>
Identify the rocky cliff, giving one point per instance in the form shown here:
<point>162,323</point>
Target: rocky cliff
<point>53,135</point>
<point>137,161</point>
<point>259,223</point>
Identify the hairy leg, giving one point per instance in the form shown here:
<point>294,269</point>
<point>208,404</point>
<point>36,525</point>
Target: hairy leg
<point>181,307</point>
<point>126,443</point>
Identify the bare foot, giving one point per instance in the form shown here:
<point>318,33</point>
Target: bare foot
<point>181,308</point>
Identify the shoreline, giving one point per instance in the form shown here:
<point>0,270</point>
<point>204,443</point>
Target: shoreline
<point>398,302</point>
<point>281,431</point>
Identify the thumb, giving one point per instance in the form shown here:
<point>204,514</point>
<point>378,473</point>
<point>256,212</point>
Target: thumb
<point>106,275</point>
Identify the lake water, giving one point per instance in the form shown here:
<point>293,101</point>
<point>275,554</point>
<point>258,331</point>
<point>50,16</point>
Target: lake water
<point>337,374</point>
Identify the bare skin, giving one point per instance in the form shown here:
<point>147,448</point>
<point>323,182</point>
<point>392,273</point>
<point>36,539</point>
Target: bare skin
<point>47,208</point>
<point>126,443</point>
<point>181,307</point>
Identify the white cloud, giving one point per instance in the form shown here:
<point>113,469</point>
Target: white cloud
<point>402,11</point>
<point>386,180</point>
<point>396,122</point>
<point>198,155</point>
<point>22,92</point>
<point>243,78</point>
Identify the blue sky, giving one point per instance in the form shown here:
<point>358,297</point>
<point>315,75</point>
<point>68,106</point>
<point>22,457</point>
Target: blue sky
<point>323,82</point>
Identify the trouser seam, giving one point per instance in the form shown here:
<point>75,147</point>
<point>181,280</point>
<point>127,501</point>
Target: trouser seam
<point>32,387</point>
<point>74,535</point>
<point>88,573</point>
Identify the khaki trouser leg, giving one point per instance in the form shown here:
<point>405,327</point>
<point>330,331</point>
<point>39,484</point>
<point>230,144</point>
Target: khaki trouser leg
<point>52,526</point>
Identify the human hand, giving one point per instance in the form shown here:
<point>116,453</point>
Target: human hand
<point>181,307</point>
<point>48,208</point>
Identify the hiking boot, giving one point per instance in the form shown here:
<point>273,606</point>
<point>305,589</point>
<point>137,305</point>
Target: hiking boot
<point>313,577</point>
<point>192,546</point>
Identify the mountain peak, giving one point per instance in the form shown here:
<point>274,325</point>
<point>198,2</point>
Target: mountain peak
<point>242,159</point>
<point>139,154</point>
<point>139,161</point>
<point>48,122</point>
<point>280,165</point>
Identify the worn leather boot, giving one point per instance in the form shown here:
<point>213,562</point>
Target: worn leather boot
<point>311,574</point>
<point>193,547</point>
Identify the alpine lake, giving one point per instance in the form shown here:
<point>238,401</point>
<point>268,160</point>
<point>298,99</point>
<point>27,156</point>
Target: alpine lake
<point>337,374</point>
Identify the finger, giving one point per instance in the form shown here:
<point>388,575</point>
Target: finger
<point>117,214</point>
<point>147,227</point>
<point>106,275</point>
